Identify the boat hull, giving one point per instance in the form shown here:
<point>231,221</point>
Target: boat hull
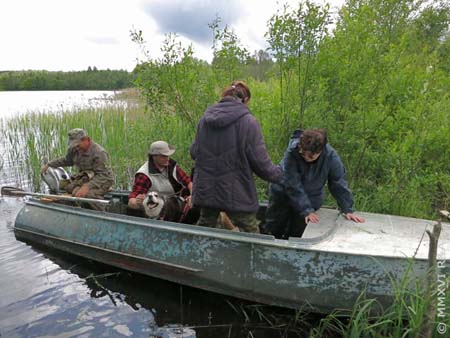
<point>249,266</point>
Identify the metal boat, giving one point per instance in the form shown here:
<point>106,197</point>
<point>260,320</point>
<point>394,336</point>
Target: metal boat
<point>329,267</point>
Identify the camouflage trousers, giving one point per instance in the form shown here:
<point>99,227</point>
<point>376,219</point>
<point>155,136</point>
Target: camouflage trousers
<point>246,222</point>
<point>97,193</point>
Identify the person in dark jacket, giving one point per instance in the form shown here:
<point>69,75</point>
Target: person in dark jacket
<point>308,164</point>
<point>228,149</point>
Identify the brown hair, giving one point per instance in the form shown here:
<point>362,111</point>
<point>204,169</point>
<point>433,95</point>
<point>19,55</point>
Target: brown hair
<point>238,89</point>
<point>313,140</point>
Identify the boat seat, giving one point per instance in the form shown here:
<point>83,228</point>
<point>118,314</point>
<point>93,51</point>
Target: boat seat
<point>327,221</point>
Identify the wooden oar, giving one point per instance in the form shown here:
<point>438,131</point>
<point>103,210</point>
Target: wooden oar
<point>12,191</point>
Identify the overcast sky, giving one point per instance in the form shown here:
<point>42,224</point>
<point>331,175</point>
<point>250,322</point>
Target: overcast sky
<point>74,34</point>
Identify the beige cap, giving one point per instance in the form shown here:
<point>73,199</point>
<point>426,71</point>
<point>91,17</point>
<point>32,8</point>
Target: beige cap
<point>161,148</point>
<point>75,137</point>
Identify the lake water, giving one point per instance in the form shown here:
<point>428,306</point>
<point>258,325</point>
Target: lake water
<point>13,103</point>
<point>45,293</point>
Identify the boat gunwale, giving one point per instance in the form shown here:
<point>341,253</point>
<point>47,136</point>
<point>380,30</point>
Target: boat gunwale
<point>306,244</point>
<point>191,229</point>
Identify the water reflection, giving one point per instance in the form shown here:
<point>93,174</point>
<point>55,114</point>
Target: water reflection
<point>43,296</point>
<point>46,293</point>
<point>161,302</point>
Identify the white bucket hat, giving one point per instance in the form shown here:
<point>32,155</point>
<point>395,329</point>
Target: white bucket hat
<point>161,148</point>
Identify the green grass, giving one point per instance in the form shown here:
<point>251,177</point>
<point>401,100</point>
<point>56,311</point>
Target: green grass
<point>126,132</point>
<point>367,319</point>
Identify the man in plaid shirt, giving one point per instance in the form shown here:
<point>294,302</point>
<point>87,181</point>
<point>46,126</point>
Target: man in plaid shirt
<point>161,174</point>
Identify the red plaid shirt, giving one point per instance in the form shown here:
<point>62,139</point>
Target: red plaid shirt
<point>142,183</point>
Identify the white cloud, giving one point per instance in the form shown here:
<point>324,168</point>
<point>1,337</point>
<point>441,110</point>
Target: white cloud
<point>72,35</point>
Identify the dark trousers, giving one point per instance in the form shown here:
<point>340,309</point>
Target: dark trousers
<point>282,221</point>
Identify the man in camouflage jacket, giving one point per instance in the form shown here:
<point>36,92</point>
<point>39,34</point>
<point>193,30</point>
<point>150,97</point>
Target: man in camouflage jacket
<point>95,177</point>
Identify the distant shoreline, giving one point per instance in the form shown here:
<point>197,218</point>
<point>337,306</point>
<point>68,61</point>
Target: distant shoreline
<point>91,79</point>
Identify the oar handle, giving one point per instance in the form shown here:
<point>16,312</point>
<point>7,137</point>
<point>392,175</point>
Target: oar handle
<point>12,191</point>
<point>445,213</point>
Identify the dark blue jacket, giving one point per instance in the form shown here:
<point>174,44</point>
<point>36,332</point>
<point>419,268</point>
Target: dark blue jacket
<point>304,182</point>
<point>228,149</point>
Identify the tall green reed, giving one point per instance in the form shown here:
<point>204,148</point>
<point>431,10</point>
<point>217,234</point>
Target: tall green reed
<point>126,132</point>
<point>367,318</point>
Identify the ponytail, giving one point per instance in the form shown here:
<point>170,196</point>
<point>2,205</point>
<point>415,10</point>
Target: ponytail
<point>238,89</point>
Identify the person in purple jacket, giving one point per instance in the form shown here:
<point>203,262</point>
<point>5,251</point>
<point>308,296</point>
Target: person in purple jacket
<point>228,149</point>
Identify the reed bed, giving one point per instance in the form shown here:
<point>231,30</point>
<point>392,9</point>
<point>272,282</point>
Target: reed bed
<point>367,319</point>
<point>125,131</point>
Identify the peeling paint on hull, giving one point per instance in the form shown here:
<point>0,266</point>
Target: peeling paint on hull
<point>325,270</point>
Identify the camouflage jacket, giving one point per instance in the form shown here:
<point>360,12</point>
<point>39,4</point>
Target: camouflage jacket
<point>96,159</point>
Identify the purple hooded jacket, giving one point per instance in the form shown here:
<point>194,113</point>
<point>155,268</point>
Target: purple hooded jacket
<point>227,150</point>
